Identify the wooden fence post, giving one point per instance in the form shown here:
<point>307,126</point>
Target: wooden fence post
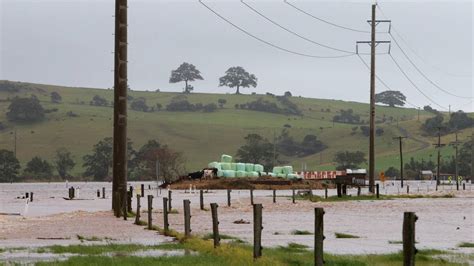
<point>318,236</point>
<point>293,196</point>
<point>150,209</point>
<point>358,191</point>
<point>251,196</point>
<point>463,186</point>
<point>116,204</point>
<point>201,199</point>
<point>103,192</point>
<point>344,190</point>
<point>215,225</point>
<point>27,195</point>
<point>31,196</point>
<point>129,200</point>
<point>409,250</point>
<point>228,197</point>
<point>274,196</point>
<point>377,190</point>
<point>165,215</point>
<point>257,230</point>
<point>137,216</point>
<point>339,190</point>
<point>408,189</point>
<point>187,218</point>
<point>326,192</point>
<point>142,187</point>
<point>98,193</point>
<point>125,205</point>
<point>169,200</point>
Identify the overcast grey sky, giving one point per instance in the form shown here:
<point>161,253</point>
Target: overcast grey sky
<point>70,42</point>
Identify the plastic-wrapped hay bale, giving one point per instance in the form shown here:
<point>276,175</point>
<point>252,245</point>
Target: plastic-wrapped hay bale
<point>240,167</point>
<point>258,168</point>
<point>233,166</point>
<point>263,173</point>
<point>254,174</point>
<point>240,174</point>
<point>226,158</point>
<point>220,173</point>
<point>287,170</point>
<point>226,166</point>
<point>229,173</point>
<point>281,175</point>
<point>271,174</point>
<point>293,176</point>
<point>249,167</point>
<point>276,170</point>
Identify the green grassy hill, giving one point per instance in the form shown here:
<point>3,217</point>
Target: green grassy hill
<point>203,137</point>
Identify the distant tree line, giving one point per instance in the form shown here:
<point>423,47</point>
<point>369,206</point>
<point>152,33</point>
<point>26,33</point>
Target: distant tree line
<point>457,121</point>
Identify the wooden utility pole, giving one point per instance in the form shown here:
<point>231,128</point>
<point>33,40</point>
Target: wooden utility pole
<point>401,158</point>
<point>372,104</point>
<point>438,146</point>
<point>373,43</point>
<point>472,157</point>
<point>455,144</point>
<point>119,183</point>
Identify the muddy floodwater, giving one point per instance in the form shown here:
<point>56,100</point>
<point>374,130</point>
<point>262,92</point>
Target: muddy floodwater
<point>443,223</point>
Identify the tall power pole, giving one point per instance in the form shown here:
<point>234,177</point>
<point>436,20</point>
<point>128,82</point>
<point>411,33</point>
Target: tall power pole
<point>119,183</point>
<point>401,158</point>
<point>438,146</point>
<point>472,157</point>
<point>455,144</point>
<point>373,43</point>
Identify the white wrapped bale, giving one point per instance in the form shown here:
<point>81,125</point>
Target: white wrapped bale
<point>258,168</point>
<point>226,158</point>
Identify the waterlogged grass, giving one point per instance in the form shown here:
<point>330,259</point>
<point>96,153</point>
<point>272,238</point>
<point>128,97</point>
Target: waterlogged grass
<point>301,232</point>
<point>314,198</point>
<point>466,245</point>
<point>222,236</point>
<point>99,249</point>
<point>344,235</point>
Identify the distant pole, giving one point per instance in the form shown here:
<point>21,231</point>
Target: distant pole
<point>372,105</point>
<point>401,158</point>
<point>438,146</point>
<point>119,180</point>
<point>456,143</point>
<point>472,157</point>
<point>274,148</point>
<point>418,113</point>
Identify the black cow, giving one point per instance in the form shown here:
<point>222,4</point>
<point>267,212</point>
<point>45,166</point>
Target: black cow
<point>196,175</point>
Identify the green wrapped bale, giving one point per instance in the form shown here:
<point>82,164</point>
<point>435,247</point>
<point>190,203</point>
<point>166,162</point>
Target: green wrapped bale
<point>263,173</point>
<point>254,174</point>
<point>229,173</point>
<point>281,175</point>
<point>287,170</point>
<point>233,166</point>
<point>220,173</point>
<point>226,166</point>
<point>293,176</point>
<point>240,167</point>
<point>249,167</point>
<point>240,174</point>
<point>277,170</point>
<point>226,158</point>
<point>258,168</point>
<point>271,174</point>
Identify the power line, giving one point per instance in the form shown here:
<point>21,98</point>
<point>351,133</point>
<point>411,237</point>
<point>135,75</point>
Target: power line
<point>423,74</point>
<point>267,42</point>
<point>413,84</point>
<point>323,20</point>
<point>417,55</point>
<point>292,32</point>
<point>383,82</point>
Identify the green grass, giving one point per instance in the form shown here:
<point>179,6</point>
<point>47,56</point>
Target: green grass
<point>344,235</point>
<point>301,232</point>
<point>222,236</point>
<point>173,211</point>
<point>466,245</point>
<point>225,128</point>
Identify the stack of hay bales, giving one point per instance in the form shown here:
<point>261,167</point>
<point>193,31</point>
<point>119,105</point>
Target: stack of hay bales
<point>228,169</point>
<point>284,172</point>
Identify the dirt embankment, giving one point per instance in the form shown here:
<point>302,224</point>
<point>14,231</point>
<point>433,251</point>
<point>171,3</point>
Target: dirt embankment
<point>250,183</point>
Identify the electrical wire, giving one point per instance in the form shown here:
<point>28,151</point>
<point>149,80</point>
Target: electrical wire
<point>417,55</point>
<point>292,32</point>
<point>414,85</point>
<point>267,42</point>
<point>323,20</point>
<point>383,83</point>
<point>423,74</point>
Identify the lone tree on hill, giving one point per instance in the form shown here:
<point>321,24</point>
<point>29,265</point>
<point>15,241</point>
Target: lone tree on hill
<point>238,77</point>
<point>9,166</point>
<point>185,72</point>
<point>391,98</point>
<point>25,110</point>
<point>63,162</point>
<point>349,160</point>
<point>55,97</point>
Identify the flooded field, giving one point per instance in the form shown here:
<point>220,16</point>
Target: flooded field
<point>50,219</point>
